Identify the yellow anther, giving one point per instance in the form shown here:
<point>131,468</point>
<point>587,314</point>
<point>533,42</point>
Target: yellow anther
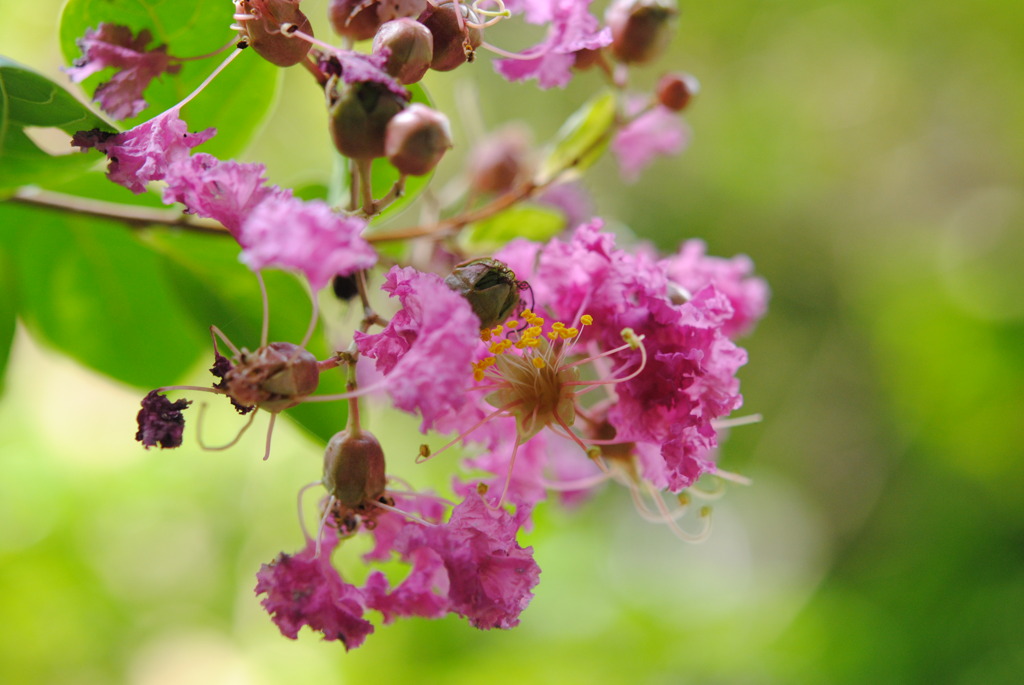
<point>478,374</point>
<point>532,332</point>
<point>586,319</point>
<point>527,314</point>
<point>558,325</point>
<point>553,335</point>
<point>532,342</point>
<point>485,335</point>
<point>497,330</point>
<point>571,333</point>
<point>631,338</point>
<point>538,362</point>
<point>511,323</point>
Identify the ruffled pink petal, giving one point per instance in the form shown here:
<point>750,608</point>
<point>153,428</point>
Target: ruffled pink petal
<point>225,191</point>
<point>284,232</point>
<point>146,152</point>
<point>305,590</point>
<point>111,45</point>
<point>659,131</point>
<point>426,349</point>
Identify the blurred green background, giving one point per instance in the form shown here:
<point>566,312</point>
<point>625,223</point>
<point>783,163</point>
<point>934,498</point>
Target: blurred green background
<point>868,157</point>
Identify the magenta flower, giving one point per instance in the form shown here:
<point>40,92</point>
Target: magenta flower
<point>308,237</point>
<point>688,380</point>
<point>306,590</point>
<point>692,269</point>
<point>426,349</point>
<point>112,45</point>
<point>225,191</point>
<point>659,131</point>
<point>572,28</point>
<point>473,562</point>
<point>146,152</point>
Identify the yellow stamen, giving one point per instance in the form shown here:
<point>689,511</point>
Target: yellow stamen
<point>586,319</point>
<point>538,362</point>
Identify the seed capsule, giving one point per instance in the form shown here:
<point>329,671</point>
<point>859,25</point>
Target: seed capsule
<point>359,114</point>
<point>354,470</point>
<point>640,28</point>
<point>676,90</point>
<point>264,34</point>
<point>411,49</point>
<point>416,139</point>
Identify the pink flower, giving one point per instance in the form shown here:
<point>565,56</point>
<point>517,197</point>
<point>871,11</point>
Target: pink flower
<point>146,152</point>
<point>659,131</point>
<point>473,561</point>
<point>689,376</point>
<point>225,191</point>
<point>305,590</point>
<point>572,28</point>
<point>286,233</point>
<point>426,349</point>
<point>692,269</point>
<point>114,46</point>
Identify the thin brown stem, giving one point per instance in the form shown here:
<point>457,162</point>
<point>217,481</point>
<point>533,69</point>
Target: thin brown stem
<point>132,215</point>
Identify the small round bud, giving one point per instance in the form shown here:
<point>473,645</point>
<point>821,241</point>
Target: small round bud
<point>411,47</point>
<point>490,287</point>
<point>453,46</point>
<point>264,34</point>
<point>354,470</point>
<point>354,19</point>
<point>359,115</point>
<point>676,90</point>
<point>500,161</point>
<point>640,28</point>
<point>416,139</point>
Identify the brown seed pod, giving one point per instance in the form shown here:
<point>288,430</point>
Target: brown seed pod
<point>275,377</point>
<point>262,29</point>
<point>354,470</point>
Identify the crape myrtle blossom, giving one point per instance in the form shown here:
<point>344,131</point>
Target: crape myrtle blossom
<point>308,237</point>
<point>689,377</point>
<point>274,228</point>
<point>225,191</point>
<point>112,45</point>
<point>658,131</point>
<point>572,28</point>
<point>145,152</point>
<point>425,350</point>
<point>471,566</point>
<point>692,269</point>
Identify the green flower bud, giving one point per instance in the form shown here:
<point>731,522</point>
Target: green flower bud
<point>359,115</point>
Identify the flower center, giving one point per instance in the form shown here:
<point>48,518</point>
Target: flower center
<point>527,374</point>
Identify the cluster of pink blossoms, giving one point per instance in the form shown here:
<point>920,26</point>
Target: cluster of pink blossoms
<point>622,368</point>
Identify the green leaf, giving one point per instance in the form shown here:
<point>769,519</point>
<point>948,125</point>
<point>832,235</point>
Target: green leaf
<point>532,222</point>
<point>8,307</point>
<point>235,103</point>
<point>581,141</point>
<point>91,289</point>
<point>29,99</point>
